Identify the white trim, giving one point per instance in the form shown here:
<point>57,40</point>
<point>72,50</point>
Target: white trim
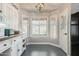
<point>31,35</point>
<point>43,43</point>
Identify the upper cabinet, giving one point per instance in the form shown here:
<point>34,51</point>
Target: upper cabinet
<point>0,6</point>
<point>0,12</point>
<point>2,24</point>
<point>10,14</point>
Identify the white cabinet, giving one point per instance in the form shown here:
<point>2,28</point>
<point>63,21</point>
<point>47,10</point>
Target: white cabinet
<point>4,45</point>
<point>22,44</point>
<point>18,45</point>
<point>0,14</point>
<point>0,6</point>
<point>10,15</point>
<point>14,47</point>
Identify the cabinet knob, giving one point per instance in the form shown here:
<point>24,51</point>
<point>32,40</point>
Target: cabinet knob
<point>14,40</point>
<point>18,49</point>
<point>65,33</point>
<point>23,40</point>
<point>5,44</point>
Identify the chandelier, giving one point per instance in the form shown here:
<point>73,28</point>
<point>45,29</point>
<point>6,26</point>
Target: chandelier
<point>40,6</point>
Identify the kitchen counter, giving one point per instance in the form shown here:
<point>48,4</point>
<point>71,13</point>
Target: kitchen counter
<point>13,43</point>
<point>5,38</point>
<point>8,37</point>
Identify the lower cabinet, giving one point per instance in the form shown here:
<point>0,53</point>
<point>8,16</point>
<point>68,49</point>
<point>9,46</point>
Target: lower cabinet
<point>14,49</point>
<point>4,45</point>
<point>18,46</point>
<point>14,46</point>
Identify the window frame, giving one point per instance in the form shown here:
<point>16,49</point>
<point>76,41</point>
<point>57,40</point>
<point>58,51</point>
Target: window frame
<point>39,35</point>
<point>25,20</point>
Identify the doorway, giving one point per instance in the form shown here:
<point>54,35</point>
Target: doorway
<point>75,34</point>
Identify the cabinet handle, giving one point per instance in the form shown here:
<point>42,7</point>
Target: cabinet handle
<point>65,33</point>
<point>18,49</point>
<point>24,45</point>
<point>14,40</point>
<point>5,44</point>
<point>23,40</point>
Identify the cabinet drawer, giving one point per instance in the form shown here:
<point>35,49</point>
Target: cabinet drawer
<point>5,45</point>
<point>24,36</point>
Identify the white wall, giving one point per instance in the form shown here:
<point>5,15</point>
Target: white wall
<point>62,40</point>
<point>64,30</point>
<point>51,33</point>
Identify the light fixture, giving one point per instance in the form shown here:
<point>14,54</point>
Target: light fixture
<point>40,6</point>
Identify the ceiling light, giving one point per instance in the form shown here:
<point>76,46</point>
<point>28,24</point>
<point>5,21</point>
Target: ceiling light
<point>40,6</point>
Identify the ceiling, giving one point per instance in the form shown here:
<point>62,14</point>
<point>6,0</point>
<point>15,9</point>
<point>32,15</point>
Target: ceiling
<point>74,8</point>
<point>30,7</point>
<point>49,7</point>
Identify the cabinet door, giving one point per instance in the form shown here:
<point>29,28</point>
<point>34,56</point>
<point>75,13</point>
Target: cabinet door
<point>15,18</point>
<point>0,6</point>
<point>11,16</point>
<point>4,12</point>
<point>8,16</point>
<point>14,48</point>
<point>7,13</point>
<point>19,47</point>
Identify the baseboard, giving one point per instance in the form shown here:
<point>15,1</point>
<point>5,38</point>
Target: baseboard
<point>44,43</point>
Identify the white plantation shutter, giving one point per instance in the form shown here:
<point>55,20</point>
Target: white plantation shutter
<point>39,27</point>
<point>25,24</point>
<point>53,28</point>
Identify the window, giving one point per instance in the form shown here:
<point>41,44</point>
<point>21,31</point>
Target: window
<point>25,24</point>
<point>53,28</point>
<point>39,27</point>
